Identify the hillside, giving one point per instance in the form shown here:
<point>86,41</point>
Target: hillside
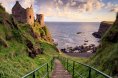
<point>106,58</point>
<point>22,47</point>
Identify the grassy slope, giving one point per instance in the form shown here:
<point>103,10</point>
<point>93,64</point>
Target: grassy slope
<point>106,58</point>
<point>14,59</point>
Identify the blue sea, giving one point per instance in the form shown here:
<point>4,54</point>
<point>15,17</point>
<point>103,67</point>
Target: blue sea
<point>65,33</point>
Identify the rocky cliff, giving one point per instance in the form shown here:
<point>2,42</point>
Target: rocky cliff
<point>106,58</point>
<point>104,26</point>
<point>23,33</point>
<point>23,47</point>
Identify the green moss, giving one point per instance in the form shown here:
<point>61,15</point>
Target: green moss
<point>17,35</point>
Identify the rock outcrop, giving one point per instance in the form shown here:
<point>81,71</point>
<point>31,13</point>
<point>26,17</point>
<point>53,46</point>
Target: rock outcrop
<point>40,19</point>
<point>107,54</point>
<point>113,33</point>
<point>104,26</point>
<point>28,33</point>
<point>21,46</point>
<point>33,50</point>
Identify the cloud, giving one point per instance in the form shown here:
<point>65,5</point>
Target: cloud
<point>26,3</point>
<point>72,9</point>
<point>8,4</point>
<point>94,5</point>
<point>111,7</point>
<point>69,9</point>
<point>115,9</point>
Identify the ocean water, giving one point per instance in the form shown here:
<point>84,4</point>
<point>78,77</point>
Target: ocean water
<point>65,33</point>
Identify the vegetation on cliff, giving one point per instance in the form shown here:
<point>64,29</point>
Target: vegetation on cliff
<point>106,58</point>
<point>22,47</point>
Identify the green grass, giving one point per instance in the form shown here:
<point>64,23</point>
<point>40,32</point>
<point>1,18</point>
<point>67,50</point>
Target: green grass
<point>78,59</point>
<point>106,58</point>
<point>15,61</point>
<point>80,69</point>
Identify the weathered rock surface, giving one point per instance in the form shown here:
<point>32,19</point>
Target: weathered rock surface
<point>59,71</point>
<point>104,26</point>
<point>3,42</point>
<point>33,50</point>
<point>113,32</point>
<point>27,34</point>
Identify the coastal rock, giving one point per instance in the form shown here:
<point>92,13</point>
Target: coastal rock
<point>80,49</point>
<point>104,26</point>
<point>113,32</point>
<point>79,32</point>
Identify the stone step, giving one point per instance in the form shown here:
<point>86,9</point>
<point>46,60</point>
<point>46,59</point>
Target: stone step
<point>60,76</point>
<point>59,71</point>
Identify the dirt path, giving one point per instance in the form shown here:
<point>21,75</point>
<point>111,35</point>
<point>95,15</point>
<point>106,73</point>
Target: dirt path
<point>59,71</point>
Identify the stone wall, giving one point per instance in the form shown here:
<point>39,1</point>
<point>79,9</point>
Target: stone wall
<point>40,19</point>
<point>23,15</point>
<point>19,13</point>
<point>30,15</point>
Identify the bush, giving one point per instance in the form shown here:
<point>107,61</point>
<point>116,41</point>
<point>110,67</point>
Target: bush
<point>45,29</point>
<point>42,32</point>
<point>17,35</point>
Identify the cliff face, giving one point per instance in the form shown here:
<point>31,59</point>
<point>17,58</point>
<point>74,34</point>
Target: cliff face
<point>104,26</point>
<point>106,58</point>
<point>23,47</point>
<point>30,35</point>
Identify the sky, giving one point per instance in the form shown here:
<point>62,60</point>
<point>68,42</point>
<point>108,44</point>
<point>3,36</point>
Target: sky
<point>70,10</point>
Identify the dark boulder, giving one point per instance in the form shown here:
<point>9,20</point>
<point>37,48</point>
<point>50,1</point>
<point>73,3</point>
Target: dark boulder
<point>104,26</point>
<point>79,32</point>
<point>96,35</point>
<point>33,50</point>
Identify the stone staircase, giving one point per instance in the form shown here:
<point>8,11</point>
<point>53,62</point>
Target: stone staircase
<point>59,71</point>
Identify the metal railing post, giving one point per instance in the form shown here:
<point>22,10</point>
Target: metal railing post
<point>47,71</point>
<point>51,64</point>
<point>89,72</point>
<point>67,64</point>
<point>73,68</point>
<point>63,61</point>
<point>33,76</point>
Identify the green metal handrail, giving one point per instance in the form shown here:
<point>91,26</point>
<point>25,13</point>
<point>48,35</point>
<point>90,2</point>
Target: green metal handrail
<point>48,66</point>
<point>86,71</point>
